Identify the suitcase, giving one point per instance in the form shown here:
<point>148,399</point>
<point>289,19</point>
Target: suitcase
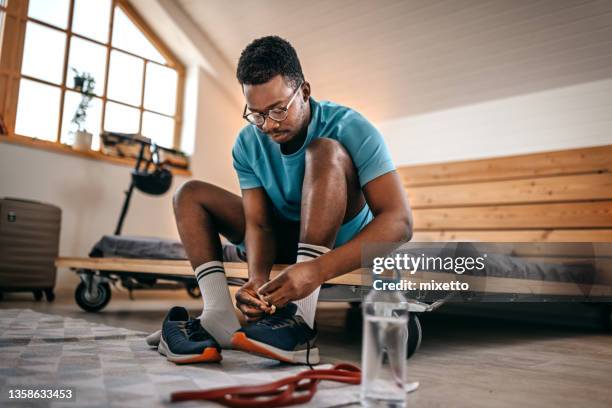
<point>29,244</point>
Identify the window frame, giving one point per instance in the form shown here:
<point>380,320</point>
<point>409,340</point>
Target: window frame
<point>11,54</point>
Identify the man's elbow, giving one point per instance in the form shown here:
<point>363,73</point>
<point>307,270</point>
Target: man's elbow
<point>405,224</point>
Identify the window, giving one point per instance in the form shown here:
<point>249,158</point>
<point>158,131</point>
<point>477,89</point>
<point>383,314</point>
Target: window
<point>46,44</point>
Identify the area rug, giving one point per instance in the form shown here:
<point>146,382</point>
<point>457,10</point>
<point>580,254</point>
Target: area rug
<point>112,366</point>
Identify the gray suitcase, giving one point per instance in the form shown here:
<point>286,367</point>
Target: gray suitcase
<point>29,244</point>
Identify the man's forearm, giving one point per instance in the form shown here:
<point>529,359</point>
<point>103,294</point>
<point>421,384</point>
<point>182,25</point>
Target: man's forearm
<point>385,227</point>
<point>261,251</point>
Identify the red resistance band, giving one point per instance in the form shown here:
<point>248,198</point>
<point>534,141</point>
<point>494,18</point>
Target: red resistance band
<point>297,389</point>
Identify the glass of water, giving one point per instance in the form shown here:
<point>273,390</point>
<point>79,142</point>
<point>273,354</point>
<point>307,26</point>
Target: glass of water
<point>383,358</point>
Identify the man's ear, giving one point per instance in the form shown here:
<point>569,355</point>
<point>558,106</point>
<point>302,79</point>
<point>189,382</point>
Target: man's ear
<point>306,91</point>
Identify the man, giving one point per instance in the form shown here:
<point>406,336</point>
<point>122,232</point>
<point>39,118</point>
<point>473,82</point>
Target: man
<point>317,182</point>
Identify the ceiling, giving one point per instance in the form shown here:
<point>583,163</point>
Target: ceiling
<point>394,58</point>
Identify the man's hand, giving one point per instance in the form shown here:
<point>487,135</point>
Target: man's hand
<point>295,282</point>
<point>249,303</point>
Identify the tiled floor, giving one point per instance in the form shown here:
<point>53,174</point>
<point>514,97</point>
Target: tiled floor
<point>517,355</point>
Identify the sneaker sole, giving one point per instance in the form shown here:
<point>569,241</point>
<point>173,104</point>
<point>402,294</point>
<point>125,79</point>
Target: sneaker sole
<point>208,355</point>
<point>240,341</point>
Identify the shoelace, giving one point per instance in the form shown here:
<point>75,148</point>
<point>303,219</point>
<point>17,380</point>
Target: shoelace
<point>194,331</point>
<point>297,389</point>
<point>276,320</point>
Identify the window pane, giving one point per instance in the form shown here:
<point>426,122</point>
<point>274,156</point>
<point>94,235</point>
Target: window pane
<point>2,17</point>
<point>125,78</point>
<point>43,53</point>
<point>160,129</point>
<point>128,37</point>
<point>86,56</point>
<point>50,11</point>
<point>120,118</point>
<point>92,121</point>
<point>91,18</point>
<point>37,110</point>
<point>160,89</point>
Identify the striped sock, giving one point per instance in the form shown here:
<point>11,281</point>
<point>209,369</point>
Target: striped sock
<point>218,316</point>
<point>307,307</point>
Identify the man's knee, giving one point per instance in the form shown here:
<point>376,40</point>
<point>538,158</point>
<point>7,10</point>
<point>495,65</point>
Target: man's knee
<point>189,192</point>
<point>324,151</point>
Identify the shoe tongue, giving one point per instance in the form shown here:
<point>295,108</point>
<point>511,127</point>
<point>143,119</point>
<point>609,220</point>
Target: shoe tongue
<point>288,310</point>
<point>178,313</point>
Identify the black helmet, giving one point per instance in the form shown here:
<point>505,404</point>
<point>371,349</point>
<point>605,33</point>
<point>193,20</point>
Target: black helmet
<point>154,183</point>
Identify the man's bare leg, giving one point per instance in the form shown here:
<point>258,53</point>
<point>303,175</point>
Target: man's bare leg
<point>331,195</point>
<point>202,212</point>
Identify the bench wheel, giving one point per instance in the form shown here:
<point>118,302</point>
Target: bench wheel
<point>94,300</point>
<point>415,335</point>
<point>193,290</point>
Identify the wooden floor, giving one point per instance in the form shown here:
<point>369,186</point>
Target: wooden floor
<point>519,356</point>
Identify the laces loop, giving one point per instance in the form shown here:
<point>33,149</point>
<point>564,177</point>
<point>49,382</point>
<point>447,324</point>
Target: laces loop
<point>194,331</point>
<point>276,321</point>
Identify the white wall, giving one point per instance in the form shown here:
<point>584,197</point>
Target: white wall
<point>562,118</point>
<point>218,121</point>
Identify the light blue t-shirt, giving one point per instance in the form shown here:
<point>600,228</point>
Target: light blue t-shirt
<point>259,162</point>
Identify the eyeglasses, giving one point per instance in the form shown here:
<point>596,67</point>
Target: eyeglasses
<point>276,114</point>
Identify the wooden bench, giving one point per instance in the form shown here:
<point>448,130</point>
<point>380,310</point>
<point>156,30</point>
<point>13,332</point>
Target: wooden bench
<point>562,196</point>
<point>170,269</point>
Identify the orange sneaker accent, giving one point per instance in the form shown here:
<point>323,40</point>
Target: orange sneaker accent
<point>241,342</point>
<point>209,355</point>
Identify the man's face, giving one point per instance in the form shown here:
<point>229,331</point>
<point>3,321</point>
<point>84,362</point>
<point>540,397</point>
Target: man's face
<point>276,93</point>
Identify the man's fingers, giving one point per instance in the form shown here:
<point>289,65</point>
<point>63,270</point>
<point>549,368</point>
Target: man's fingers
<point>250,311</point>
<point>277,299</point>
<point>249,299</point>
<point>270,286</point>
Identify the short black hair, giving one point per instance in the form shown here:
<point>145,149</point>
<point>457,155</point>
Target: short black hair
<point>267,57</point>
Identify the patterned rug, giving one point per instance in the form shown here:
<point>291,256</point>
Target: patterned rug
<point>112,366</point>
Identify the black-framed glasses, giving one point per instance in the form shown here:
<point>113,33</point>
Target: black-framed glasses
<point>276,114</point>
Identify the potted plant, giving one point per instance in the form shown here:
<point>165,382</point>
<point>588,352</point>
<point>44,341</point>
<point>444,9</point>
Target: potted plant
<point>84,83</point>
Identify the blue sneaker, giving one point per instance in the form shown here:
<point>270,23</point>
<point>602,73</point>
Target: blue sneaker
<point>184,340</point>
<point>281,336</point>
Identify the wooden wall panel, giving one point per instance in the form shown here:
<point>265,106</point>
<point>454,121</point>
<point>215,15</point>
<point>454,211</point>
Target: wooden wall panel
<point>536,235</point>
<point>530,190</point>
<point>564,162</point>
<point>567,215</point>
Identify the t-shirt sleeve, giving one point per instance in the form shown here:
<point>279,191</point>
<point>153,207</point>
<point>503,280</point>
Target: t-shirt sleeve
<point>246,176</point>
<point>367,148</point>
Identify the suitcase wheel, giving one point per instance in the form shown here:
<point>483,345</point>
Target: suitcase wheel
<point>38,294</point>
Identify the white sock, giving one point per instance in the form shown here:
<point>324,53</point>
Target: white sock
<point>218,316</point>
<point>307,307</point>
